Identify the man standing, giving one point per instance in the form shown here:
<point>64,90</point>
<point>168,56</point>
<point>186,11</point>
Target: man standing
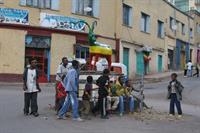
<point>31,88</point>
<point>61,71</point>
<point>71,86</point>
<point>189,68</point>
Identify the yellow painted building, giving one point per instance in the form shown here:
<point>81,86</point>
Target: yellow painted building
<point>143,34</point>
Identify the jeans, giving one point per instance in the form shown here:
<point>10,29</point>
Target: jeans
<point>71,98</point>
<point>130,101</point>
<point>174,101</point>
<point>189,73</point>
<point>121,104</point>
<point>30,98</point>
<point>131,104</point>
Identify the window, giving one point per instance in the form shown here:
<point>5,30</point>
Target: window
<point>172,23</point>
<point>177,25</point>
<point>183,29</point>
<point>198,28</point>
<point>46,4</point>
<point>145,23</point>
<point>127,15</point>
<point>160,29</point>
<point>82,52</point>
<point>80,6</point>
<point>191,32</point>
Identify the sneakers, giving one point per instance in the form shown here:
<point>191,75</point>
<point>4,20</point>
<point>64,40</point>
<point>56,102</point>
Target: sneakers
<point>61,118</point>
<point>180,116</point>
<point>78,119</point>
<point>121,114</point>
<point>171,115</point>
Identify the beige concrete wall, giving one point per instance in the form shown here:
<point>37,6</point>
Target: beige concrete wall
<point>132,57</point>
<point>12,51</point>
<point>61,45</point>
<point>158,10</point>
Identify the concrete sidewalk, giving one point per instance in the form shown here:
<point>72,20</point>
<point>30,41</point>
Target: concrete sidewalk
<point>158,77</point>
<point>150,78</point>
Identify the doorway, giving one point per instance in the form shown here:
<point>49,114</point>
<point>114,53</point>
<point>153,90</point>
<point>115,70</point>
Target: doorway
<point>160,63</point>
<point>38,47</point>
<point>126,58</point>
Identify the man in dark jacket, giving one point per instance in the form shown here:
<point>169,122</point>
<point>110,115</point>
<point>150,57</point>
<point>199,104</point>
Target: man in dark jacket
<point>102,82</point>
<point>175,89</point>
<point>31,88</point>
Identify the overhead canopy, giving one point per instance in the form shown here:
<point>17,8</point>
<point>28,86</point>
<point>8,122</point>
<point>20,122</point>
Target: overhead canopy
<point>100,48</point>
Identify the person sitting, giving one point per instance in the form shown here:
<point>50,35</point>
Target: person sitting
<point>112,97</point>
<point>120,91</point>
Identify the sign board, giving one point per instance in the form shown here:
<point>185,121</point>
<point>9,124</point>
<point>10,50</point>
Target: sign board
<point>61,22</point>
<point>14,16</point>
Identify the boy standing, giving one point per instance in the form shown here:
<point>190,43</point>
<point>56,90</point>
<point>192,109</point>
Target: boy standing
<point>86,97</point>
<point>31,88</point>
<point>102,82</point>
<point>175,89</point>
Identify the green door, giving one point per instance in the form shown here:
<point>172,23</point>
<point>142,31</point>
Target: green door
<point>160,62</point>
<point>139,63</point>
<point>126,58</point>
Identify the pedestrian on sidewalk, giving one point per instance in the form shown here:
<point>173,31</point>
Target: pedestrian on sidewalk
<point>62,70</point>
<point>102,83</point>
<point>175,89</point>
<point>189,68</point>
<point>71,87</point>
<point>197,70</point>
<point>31,88</point>
<point>185,70</point>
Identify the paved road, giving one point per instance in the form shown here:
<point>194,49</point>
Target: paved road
<point>13,121</point>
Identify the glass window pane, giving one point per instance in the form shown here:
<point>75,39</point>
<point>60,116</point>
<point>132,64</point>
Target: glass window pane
<point>29,2</point>
<point>41,3</point>
<point>48,4</point>
<point>35,3</point>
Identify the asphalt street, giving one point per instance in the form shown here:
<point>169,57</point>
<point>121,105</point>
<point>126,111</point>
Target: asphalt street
<point>12,119</point>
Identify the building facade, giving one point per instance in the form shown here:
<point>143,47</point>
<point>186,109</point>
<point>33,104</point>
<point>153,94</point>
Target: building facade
<point>187,5</point>
<point>48,30</point>
<point>144,39</point>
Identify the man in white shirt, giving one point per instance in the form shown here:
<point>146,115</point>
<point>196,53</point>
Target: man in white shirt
<point>62,70</point>
<point>189,68</point>
<point>31,88</point>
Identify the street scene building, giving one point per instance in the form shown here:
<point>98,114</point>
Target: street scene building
<point>143,39</point>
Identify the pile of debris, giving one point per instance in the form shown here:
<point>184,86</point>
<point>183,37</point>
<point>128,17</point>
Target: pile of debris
<point>152,114</point>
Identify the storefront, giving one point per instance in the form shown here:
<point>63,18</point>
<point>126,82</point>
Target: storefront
<point>39,47</point>
<point>56,37</point>
<point>182,54</point>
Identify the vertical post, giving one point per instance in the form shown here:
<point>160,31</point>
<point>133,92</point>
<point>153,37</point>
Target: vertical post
<point>141,90</point>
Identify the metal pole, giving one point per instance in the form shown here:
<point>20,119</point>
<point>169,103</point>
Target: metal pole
<point>141,90</point>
